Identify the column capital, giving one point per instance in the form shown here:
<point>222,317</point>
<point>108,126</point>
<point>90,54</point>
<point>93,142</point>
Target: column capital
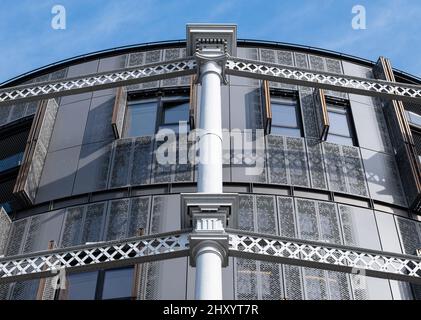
<point>208,214</point>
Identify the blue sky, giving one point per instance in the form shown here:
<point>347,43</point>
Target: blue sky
<point>28,41</point>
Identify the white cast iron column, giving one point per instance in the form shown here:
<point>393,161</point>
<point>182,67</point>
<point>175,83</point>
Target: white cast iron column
<point>210,165</point>
<point>211,45</point>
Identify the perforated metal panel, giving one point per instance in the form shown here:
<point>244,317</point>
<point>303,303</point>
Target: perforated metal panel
<point>334,167</point>
<point>142,161</point>
<point>245,217</point>
<point>356,183</point>
<point>266,215</point>
<point>308,113</point>
<point>94,221</point>
<point>293,283</point>
<point>297,162</point>
<point>117,219</point>
<point>286,217</point>
<point>139,215</point>
<point>315,284</point>
<point>16,237</point>
<point>246,280</point>
<point>121,163</point>
<point>316,164</point>
<point>25,290</point>
<point>72,227</point>
<point>276,160</point>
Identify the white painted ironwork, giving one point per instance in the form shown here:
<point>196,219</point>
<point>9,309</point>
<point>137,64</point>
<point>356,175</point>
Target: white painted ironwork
<point>325,256</point>
<point>323,80</point>
<point>82,258</point>
<point>99,81</point>
<point>131,251</point>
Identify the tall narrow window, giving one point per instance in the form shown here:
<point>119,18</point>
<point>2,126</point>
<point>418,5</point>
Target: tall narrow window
<point>341,129</point>
<point>285,116</point>
<point>174,112</point>
<point>141,118</point>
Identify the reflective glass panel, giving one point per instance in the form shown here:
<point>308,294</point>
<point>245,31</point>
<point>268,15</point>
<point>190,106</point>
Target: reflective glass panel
<point>141,119</point>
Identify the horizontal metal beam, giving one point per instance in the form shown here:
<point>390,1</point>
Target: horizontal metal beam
<point>98,81</point>
<point>110,254</point>
<point>323,80</point>
<point>327,256</point>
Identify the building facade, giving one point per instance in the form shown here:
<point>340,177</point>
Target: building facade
<point>82,168</point>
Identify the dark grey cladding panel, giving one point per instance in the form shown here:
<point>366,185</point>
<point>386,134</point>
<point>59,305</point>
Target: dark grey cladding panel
<point>410,234</point>
<point>142,160</point>
<point>83,69</point>
<point>246,287</point>
<point>4,114</point>
<point>307,220</point>
<point>70,125</point>
<point>17,112</point>
<point>117,217</point>
<point>287,224</point>
<point>39,157</point>
<point>293,285</point>
<point>122,159</point>
<point>16,237</point>
<point>287,161</point>
<point>245,213</point>
<point>245,108</point>
<point>370,124</point>
<point>5,227</point>
<point>301,60</point>
<point>98,125</point>
<point>165,214</point>
<point>183,171</point>
<point>359,227</point>
<point>276,160</point>
<point>94,221</point>
<point>315,284</point>
<point>112,63</point>
<point>93,167</point>
<point>297,162</point>
<point>308,111</point>
<point>344,169</point>
<point>266,216</point>
<point>58,174</point>
<point>316,164</point>
<point>317,63</point>
<point>73,224</point>
<point>388,232</point>
<point>25,290</point>
<point>339,286</point>
<point>139,216</point>
<point>318,220</point>
<point>42,229</point>
<point>162,172</point>
<point>383,177</point>
<point>83,224</point>
<point>356,183</point>
<point>159,283</point>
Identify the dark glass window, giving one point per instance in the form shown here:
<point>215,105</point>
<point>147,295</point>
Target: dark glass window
<point>110,284</point>
<point>141,119</point>
<point>285,116</point>
<point>174,112</point>
<point>146,117</point>
<point>118,284</point>
<point>81,286</point>
<point>340,130</point>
